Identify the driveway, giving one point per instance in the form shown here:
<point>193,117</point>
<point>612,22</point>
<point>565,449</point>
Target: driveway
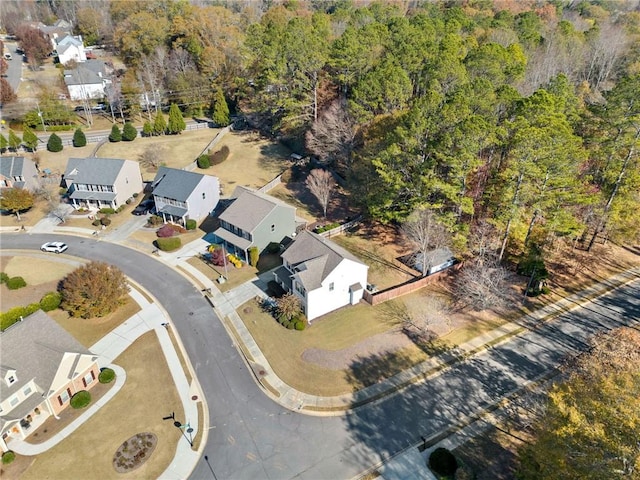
<point>252,437</point>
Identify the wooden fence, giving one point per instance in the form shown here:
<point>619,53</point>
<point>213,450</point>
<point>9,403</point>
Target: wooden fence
<point>341,228</point>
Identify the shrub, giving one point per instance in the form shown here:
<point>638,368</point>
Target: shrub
<point>54,144</point>
<point>128,201</point>
<point>79,138</point>
<point>290,325</point>
<point>3,277</point>
<point>327,227</point>
<point>220,156</point>
<point>203,162</point>
<point>273,247</point>
<point>165,231</point>
<point>135,195</point>
<point>169,244</point>
<point>8,457</point>
<point>155,220</point>
<point>147,129</point>
<point>129,132</point>
<point>300,325</point>
<point>106,375</point>
<point>96,222</point>
<point>254,256</point>
<point>13,315</point>
<point>107,211</point>
<point>106,221</point>
<point>115,135</point>
<point>191,224</point>
<point>442,462</point>
<point>14,283</point>
<point>50,301</point>
<point>80,399</point>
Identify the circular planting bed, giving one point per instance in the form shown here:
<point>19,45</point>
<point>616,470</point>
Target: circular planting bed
<point>134,452</point>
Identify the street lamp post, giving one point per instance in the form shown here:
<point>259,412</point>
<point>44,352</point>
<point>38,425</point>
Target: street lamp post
<point>44,127</point>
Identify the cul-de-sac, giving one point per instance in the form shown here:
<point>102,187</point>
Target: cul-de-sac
<point>319,239</point>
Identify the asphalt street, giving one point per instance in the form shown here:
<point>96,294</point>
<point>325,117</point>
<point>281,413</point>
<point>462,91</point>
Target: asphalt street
<point>252,437</point>
<point>14,69</point>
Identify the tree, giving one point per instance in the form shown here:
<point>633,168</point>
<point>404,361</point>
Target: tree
<point>36,45</point>
<point>14,141</point>
<point>220,109</point>
<point>425,233</point>
<point>288,306</point>
<point>159,124</point>
<point>591,425</point>
<point>129,132</point>
<point>54,144</point>
<point>147,129</point>
<point>7,95</point>
<point>115,135</point>
<point>482,284</point>
<point>29,138</point>
<point>4,143</point>
<point>16,200</point>
<point>321,183</point>
<point>176,121</point>
<point>93,290</point>
<point>79,138</point>
<point>152,157</point>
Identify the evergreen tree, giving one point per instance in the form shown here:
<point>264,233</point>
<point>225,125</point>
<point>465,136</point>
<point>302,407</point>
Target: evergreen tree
<point>54,144</point>
<point>79,139</point>
<point>220,109</point>
<point>129,132</point>
<point>14,141</point>
<point>29,138</point>
<point>176,122</point>
<point>147,129</point>
<point>3,143</point>
<point>159,124</point>
<point>115,135</point>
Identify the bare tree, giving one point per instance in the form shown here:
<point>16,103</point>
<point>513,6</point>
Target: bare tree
<point>429,317</point>
<point>424,233</point>
<point>53,204</point>
<point>333,136</point>
<point>152,157</point>
<point>321,183</point>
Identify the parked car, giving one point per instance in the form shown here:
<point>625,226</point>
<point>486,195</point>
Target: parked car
<point>54,247</point>
<point>145,207</point>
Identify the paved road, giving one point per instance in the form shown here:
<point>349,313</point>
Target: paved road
<point>251,437</point>
<point>14,72</point>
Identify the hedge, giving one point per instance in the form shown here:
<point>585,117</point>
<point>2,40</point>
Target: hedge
<point>80,399</point>
<point>169,244</point>
<point>106,375</point>
<point>107,211</point>
<point>14,283</point>
<point>50,301</point>
<point>8,457</point>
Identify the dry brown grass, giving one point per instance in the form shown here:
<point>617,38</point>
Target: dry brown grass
<point>145,398</point>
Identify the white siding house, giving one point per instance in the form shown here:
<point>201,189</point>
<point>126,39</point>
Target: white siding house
<point>322,274</point>
<point>70,48</point>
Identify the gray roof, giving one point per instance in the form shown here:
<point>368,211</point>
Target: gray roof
<point>313,258</point>
<point>250,208</point>
<point>175,184</point>
<point>93,171</point>
<point>173,211</point>
<point>34,348</point>
<point>232,238</point>
<point>100,196</point>
<point>85,73</point>
<point>11,166</point>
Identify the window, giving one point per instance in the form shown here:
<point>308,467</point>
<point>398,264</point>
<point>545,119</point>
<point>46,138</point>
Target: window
<point>331,287</point>
<point>63,397</point>
<point>27,390</point>
<point>204,195</point>
<point>88,378</point>
<point>14,401</point>
<point>273,228</point>
<point>11,379</point>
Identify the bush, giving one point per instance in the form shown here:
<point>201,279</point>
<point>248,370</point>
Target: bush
<point>273,247</point>
<point>155,220</point>
<point>3,277</point>
<point>115,135</point>
<point>50,301</point>
<point>203,162</point>
<point>106,221</point>
<point>107,211</point>
<point>79,138</point>
<point>135,195</point>
<point>8,457</point>
<point>129,132</point>
<point>327,227</point>
<point>165,231</point>
<point>442,462</point>
<point>13,315</point>
<point>220,156</point>
<point>254,256</point>
<point>169,244</point>
<point>106,375</point>
<point>80,399</point>
<point>290,325</point>
<point>14,283</point>
<point>54,144</point>
<point>191,224</point>
<point>96,222</point>
<point>300,325</point>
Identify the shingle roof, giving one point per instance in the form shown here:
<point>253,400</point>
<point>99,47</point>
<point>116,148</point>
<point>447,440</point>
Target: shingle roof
<point>11,166</point>
<point>93,171</point>
<point>86,73</point>
<point>175,184</point>
<point>34,347</point>
<point>250,208</point>
<point>313,258</point>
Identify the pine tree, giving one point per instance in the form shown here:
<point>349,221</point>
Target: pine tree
<point>147,129</point>
<point>29,138</point>
<point>79,139</point>
<point>159,124</point>
<point>14,141</point>
<point>129,132</point>
<point>3,143</point>
<point>176,121</point>
<point>54,144</point>
<point>220,115</point>
<point>115,135</point>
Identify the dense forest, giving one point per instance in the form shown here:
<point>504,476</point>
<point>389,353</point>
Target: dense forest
<point>519,119</point>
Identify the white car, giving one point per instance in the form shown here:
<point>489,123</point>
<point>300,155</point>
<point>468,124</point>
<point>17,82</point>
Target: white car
<point>54,247</point>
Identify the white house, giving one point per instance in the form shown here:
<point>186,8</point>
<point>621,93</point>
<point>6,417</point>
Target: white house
<point>88,80</point>
<point>70,48</point>
<point>180,195</point>
<point>323,275</point>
